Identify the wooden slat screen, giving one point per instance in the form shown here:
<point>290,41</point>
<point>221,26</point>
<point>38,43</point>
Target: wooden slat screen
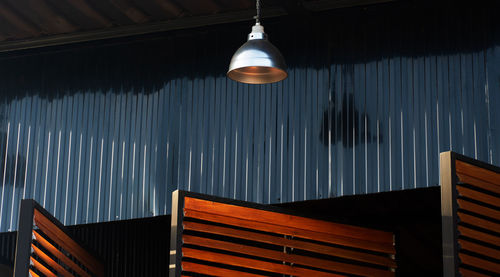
<point>50,250</point>
<point>470,202</point>
<point>220,237</point>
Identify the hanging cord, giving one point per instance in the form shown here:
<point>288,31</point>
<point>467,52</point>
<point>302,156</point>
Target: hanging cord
<point>258,16</point>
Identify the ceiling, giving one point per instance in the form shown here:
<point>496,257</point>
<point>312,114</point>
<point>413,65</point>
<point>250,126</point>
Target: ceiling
<point>37,23</point>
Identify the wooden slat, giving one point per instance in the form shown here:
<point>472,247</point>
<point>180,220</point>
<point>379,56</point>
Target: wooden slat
<point>279,229</point>
<point>32,273</point>
<point>478,209</point>
<point>479,222</point>
<point>251,263</point>
<point>479,263</point>
<point>44,257</point>
<point>464,178</point>
<point>478,172</point>
<point>284,257</point>
<point>297,244</point>
<point>464,231</point>
<point>470,273</point>
<point>480,249</point>
<point>289,221</point>
<point>479,196</point>
<point>63,240</point>
<point>52,249</point>
<point>215,271</point>
<point>40,267</point>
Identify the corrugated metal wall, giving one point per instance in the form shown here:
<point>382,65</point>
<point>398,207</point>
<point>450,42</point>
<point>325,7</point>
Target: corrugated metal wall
<point>108,131</point>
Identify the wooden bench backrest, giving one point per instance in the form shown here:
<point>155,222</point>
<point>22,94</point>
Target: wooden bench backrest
<point>221,237</point>
<point>45,248</point>
<point>470,208</point>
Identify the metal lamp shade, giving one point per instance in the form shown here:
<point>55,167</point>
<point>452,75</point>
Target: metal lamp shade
<point>257,61</point>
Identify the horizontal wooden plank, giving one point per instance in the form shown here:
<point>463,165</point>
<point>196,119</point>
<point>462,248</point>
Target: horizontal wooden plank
<point>479,263</point>
<point>478,209</point>
<point>479,222</point>
<point>477,172</point>
<point>52,249</point>
<point>297,244</point>
<point>479,196</point>
<point>48,260</point>
<point>251,263</point>
<point>65,241</point>
<point>287,220</point>
<point>280,229</point>
<point>471,273</point>
<point>474,234</point>
<point>479,249</point>
<point>478,183</point>
<point>215,271</point>
<point>40,267</point>
<point>285,257</point>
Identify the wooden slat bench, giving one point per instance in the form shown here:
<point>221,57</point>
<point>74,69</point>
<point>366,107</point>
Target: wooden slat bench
<point>470,204</point>
<point>45,248</point>
<point>221,237</point>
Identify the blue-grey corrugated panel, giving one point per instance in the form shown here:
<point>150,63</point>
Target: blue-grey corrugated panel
<point>105,131</point>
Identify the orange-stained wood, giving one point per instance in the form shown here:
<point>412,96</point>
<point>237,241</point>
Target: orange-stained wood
<point>215,271</point>
<point>478,183</point>
<point>284,257</point>
<point>251,263</point>
<point>471,273</point>
<point>292,221</point>
<point>479,263</point>
<point>479,196</point>
<point>478,209</point>
<point>281,229</point>
<point>44,257</point>
<point>297,244</point>
<point>478,172</point>
<point>479,222</point>
<point>32,273</point>
<point>40,267</point>
<point>480,249</point>
<point>52,249</point>
<point>464,231</point>
<point>63,240</point>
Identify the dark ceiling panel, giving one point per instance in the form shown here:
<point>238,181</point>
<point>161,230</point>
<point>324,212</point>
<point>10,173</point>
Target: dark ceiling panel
<point>156,11</point>
<point>42,15</point>
<point>132,12</point>
<point>14,25</point>
<point>195,7</point>
<point>37,23</point>
<point>80,12</point>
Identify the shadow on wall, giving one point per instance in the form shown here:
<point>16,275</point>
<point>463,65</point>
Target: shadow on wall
<point>345,121</point>
<point>15,167</point>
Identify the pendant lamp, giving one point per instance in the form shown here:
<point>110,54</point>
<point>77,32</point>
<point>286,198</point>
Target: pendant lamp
<point>257,61</point>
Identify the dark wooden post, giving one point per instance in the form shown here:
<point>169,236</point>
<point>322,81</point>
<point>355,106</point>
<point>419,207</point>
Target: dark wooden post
<point>175,268</point>
<point>449,214</point>
<point>24,235</point>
